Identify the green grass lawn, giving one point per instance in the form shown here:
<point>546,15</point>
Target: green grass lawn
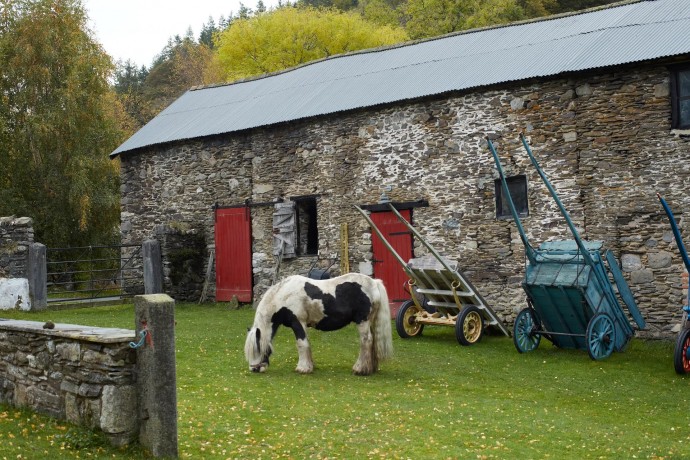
<point>435,399</point>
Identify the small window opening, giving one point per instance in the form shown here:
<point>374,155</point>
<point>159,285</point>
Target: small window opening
<point>307,226</point>
<point>680,98</point>
<point>517,185</point>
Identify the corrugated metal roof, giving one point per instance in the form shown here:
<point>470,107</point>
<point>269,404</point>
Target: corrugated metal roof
<point>626,33</point>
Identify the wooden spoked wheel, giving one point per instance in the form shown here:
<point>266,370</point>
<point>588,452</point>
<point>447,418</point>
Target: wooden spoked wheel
<point>406,320</point>
<point>600,336</point>
<point>526,336</point>
<point>469,326</point>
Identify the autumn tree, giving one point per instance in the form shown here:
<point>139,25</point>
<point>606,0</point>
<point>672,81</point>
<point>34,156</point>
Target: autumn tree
<point>342,5</point>
<point>383,12</point>
<point>58,123</point>
<point>430,18</point>
<point>564,6</point>
<point>538,8</point>
<point>290,36</point>
<point>182,64</point>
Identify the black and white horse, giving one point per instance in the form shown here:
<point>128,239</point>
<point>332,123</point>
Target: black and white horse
<point>299,302</point>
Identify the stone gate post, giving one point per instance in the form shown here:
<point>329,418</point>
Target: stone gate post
<point>156,381</point>
<point>37,274</point>
<point>153,267</point>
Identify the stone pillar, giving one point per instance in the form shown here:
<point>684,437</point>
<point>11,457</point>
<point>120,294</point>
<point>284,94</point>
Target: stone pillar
<point>156,381</point>
<point>37,273</point>
<point>153,267</point>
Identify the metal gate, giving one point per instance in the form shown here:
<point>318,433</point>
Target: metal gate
<point>94,272</point>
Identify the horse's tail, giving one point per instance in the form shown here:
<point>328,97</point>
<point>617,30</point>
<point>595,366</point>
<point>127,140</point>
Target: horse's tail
<point>383,338</point>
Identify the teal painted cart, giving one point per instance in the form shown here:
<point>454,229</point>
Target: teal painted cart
<point>681,355</point>
<point>571,298</point>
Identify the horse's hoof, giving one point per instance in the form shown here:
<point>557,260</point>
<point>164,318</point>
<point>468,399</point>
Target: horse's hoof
<point>362,372</point>
<point>304,370</point>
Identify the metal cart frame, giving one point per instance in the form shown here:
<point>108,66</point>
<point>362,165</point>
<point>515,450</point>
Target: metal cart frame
<point>441,294</point>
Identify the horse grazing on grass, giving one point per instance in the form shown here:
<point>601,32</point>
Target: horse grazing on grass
<point>299,302</point>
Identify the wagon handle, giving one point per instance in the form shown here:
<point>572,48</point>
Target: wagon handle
<point>676,232</point>
<point>420,238</point>
<point>373,226</point>
<point>585,253</point>
<point>529,251</point>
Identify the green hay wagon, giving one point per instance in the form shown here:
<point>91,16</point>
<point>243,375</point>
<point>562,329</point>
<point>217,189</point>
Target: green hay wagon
<point>571,299</point>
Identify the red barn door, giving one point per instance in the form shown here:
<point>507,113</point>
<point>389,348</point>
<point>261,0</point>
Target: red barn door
<point>233,254</point>
<point>386,266</point>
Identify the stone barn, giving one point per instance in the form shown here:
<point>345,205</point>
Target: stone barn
<point>264,173</point>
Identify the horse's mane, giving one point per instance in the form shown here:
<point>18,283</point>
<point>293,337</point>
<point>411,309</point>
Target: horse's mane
<point>268,305</point>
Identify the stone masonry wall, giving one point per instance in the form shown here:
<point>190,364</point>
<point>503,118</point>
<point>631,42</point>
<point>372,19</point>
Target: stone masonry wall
<point>16,234</point>
<point>603,139</point>
<point>81,374</point>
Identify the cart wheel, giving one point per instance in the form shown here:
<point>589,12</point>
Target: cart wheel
<point>469,326</point>
<point>681,357</point>
<point>525,331</point>
<point>600,336</point>
<point>405,321</point>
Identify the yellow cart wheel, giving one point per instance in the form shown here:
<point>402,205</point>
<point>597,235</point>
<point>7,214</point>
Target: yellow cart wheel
<point>406,323</point>
<point>469,326</point>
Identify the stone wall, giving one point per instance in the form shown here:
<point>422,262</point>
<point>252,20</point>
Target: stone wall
<point>603,139</point>
<point>81,374</point>
<point>16,234</point>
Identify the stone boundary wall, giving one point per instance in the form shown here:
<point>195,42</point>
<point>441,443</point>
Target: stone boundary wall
<point>85,375</point>
<point>603,137</point>
<point>16,234</point>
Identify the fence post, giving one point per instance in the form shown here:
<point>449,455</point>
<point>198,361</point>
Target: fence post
<point>153,267</point>
<point>37,273</point>
<point>156,381</point>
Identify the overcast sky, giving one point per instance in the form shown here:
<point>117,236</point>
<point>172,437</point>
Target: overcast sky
<point>139,29</point>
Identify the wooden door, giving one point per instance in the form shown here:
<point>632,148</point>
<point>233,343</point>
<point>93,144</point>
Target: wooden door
<point>386,266</point>
<point>233,254</point>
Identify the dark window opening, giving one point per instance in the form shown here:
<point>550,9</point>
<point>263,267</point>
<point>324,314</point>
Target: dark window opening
<point>307,227</point>
<point>517,185</point>
<point>680,97</point>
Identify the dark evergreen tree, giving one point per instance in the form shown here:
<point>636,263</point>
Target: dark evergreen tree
<point>128,77</point>
<point>244,12</point>
<point>208,30</point>
<point>129,87</point>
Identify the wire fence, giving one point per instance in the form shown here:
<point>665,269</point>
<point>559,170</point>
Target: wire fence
<point>94,272</point>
